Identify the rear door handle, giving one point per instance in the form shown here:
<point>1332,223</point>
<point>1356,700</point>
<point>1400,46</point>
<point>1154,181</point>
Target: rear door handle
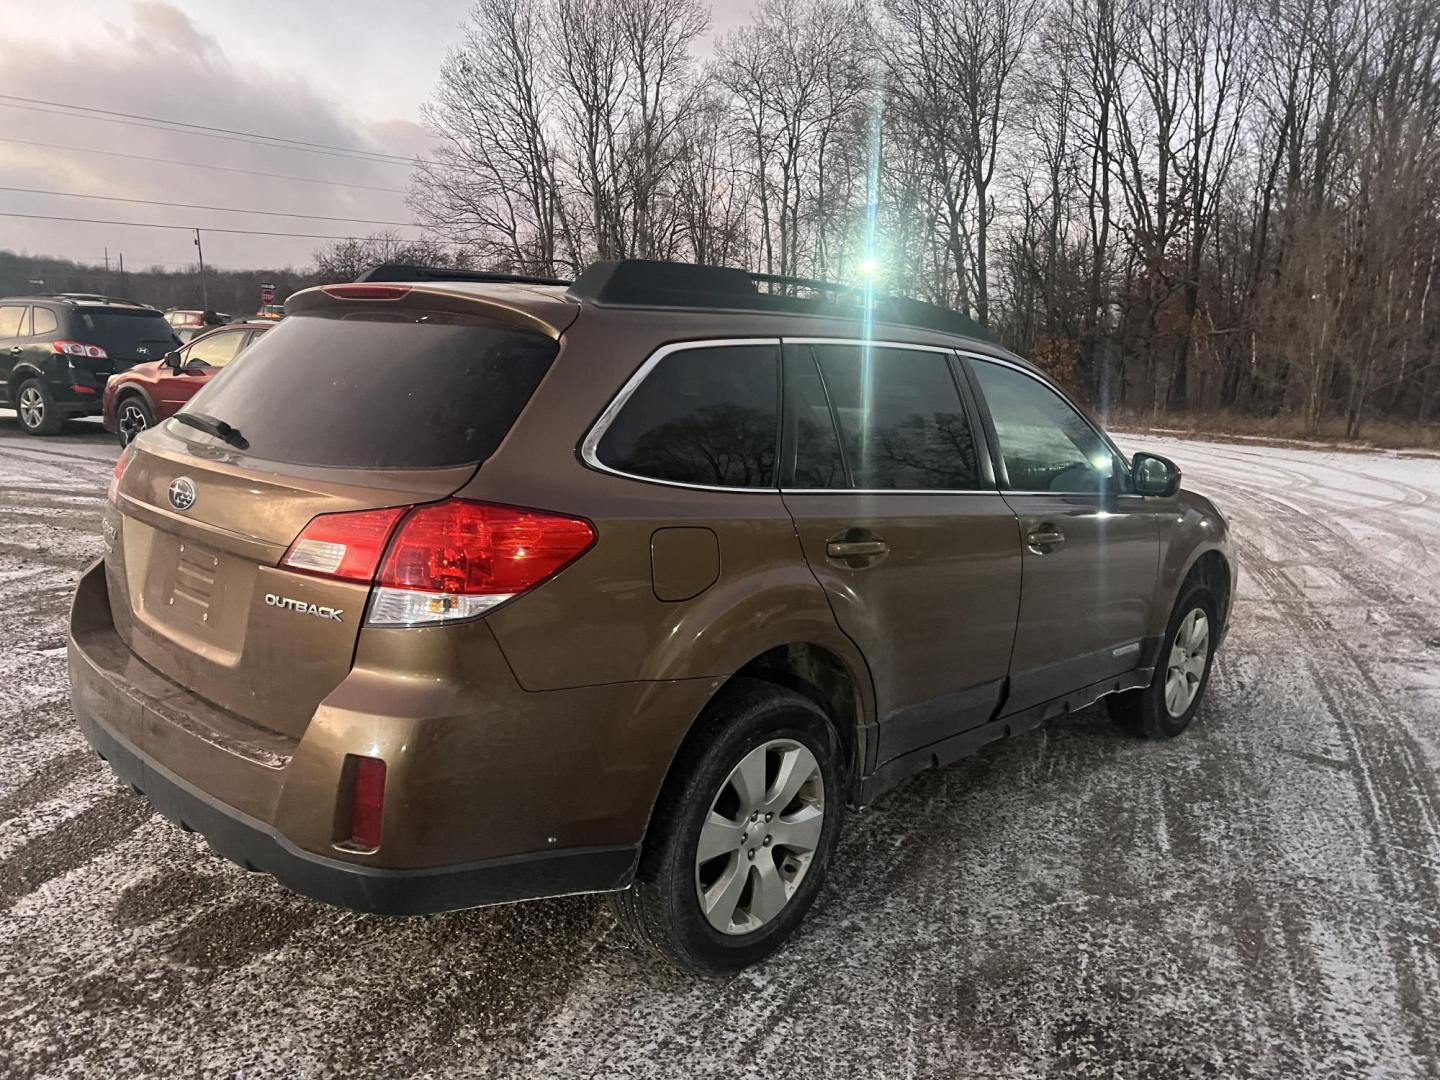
<point>851,549</point>
<point>1044,539</point>
<point>15,351</point>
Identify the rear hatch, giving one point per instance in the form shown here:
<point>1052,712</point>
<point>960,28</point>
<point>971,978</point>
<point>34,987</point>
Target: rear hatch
<point>129,336</point>
<point>333,411</point>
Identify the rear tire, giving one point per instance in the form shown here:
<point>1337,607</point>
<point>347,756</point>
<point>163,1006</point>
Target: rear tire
<point>132,416</point>
<point>715,910</point>
<point>1167,706</point>
<point>35,408</point>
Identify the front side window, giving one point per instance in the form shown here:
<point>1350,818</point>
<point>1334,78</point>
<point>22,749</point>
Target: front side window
<point>902,423</point>
<point>705,416</point>
<point>214,351</point>
<point>1046,445</point>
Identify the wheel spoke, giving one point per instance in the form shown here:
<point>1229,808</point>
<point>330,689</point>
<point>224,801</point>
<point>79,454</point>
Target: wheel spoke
<point>717,836</point>
<point>796,767</point>
<point>720,898</point>
<point>800,831</point>
<point>770,893</point>
<point>748,779</point>
<point>1173,693</point>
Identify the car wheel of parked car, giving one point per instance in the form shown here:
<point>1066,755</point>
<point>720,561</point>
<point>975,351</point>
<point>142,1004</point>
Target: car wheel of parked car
<point>36,409</point>
<point>1166,707</point>
<point>743,833</point>
<point>132,416</point>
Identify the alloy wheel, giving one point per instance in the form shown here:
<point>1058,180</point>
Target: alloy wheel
<point>31,408</point>
<point>760,836</point>
<point>1188,656</point>
<point>131,421</point>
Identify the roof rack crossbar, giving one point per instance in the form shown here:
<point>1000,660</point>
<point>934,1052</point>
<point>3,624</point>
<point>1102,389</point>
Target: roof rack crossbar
<point>407,272</point>
<point>88,296</point>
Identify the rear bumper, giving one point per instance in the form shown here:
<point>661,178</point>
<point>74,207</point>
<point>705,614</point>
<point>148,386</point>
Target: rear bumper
<point>254,796</point>
<point>255,846</point>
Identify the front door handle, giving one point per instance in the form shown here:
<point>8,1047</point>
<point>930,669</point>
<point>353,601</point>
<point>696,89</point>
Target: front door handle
<point>1044,539</point>
<point>856,549</point>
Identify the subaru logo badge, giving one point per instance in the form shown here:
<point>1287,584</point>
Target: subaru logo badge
<point>182,493</point>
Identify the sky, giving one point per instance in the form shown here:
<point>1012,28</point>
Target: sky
<point>343,73</point>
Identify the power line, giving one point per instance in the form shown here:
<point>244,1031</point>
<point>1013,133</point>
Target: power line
<point>198,165</point>
<point>181,228</point>
<point>201,206</point>
<point>206,135</point>
<point>205,127</point>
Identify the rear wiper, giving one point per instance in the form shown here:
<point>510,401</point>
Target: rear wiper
<point>211,426</point>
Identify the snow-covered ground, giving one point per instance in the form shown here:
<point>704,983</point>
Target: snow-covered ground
<point>1258,898</point>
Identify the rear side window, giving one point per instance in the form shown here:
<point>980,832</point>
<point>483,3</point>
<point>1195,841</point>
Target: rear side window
<point>10,320</point>
<point>45,322</point>
<point>391,389</point>
<point>902,422</point>
<point>705,416</point>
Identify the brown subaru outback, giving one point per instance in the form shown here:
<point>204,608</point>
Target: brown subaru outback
<point>458,589</point>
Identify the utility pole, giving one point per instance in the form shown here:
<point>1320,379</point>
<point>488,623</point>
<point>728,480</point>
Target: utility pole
<point>204,288</point>
<point>122,271</point>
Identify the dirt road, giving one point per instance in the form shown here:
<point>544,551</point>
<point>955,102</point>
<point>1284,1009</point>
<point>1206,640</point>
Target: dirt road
<point>1259,898</point>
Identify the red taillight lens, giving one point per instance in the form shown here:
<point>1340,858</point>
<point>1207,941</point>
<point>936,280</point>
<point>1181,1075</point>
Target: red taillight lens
<point>366,291</point>
<point>346,546</point>
<point>367,802</point>
<point>456,559</point>
<point>112,496</point>
<point>79,348</point>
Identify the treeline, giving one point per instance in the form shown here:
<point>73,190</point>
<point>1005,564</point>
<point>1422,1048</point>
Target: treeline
<point>236,292</point>
<point>1171,204</point>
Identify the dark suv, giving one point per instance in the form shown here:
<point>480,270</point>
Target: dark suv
<point>623,585</point>
<point>57,351</point>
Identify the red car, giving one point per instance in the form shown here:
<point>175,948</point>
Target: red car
<point>148,393</point>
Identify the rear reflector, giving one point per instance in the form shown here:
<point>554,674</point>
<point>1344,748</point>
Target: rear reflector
<point>367,802</point>
<point>457,559</point>
<point>345,546</point>
<point>366,292</point>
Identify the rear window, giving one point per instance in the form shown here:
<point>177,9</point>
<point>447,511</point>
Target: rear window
<point>394,389</point>
<point>127,335</point>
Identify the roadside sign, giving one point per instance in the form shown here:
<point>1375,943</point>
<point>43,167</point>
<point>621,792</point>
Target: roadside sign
<point>267,292</point>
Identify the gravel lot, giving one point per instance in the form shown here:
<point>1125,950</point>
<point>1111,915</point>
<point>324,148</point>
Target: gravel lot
<point>1258,898</point>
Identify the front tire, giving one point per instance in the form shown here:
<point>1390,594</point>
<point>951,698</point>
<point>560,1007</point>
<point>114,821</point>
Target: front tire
<point>1167,706</point>
<point>35,408</point>
<point>743,833</point>
<point>132,416</point>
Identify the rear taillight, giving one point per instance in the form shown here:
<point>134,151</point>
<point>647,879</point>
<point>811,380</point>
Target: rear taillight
<point>79,348</point>
<point>367,802</point>
<point>457,559</point>
<point>112,496</point>
<point>346,546</point>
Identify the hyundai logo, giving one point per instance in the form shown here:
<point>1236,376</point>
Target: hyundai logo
<point>182,493</point>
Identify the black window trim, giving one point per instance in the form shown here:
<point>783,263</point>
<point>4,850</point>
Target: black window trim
<point>1002,475</point>
<point>591,444</point>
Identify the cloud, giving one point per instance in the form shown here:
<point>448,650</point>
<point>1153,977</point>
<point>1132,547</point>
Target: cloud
<point>157,60</point>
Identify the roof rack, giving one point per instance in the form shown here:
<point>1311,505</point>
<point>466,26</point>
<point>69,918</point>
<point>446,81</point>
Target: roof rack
<point>92,297</point>
<point>406,272</point>
<point>653,284</point>
<point>646,283</point>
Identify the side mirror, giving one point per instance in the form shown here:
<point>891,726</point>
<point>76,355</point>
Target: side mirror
<point>171,360</point>
<point>1151,474</point>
